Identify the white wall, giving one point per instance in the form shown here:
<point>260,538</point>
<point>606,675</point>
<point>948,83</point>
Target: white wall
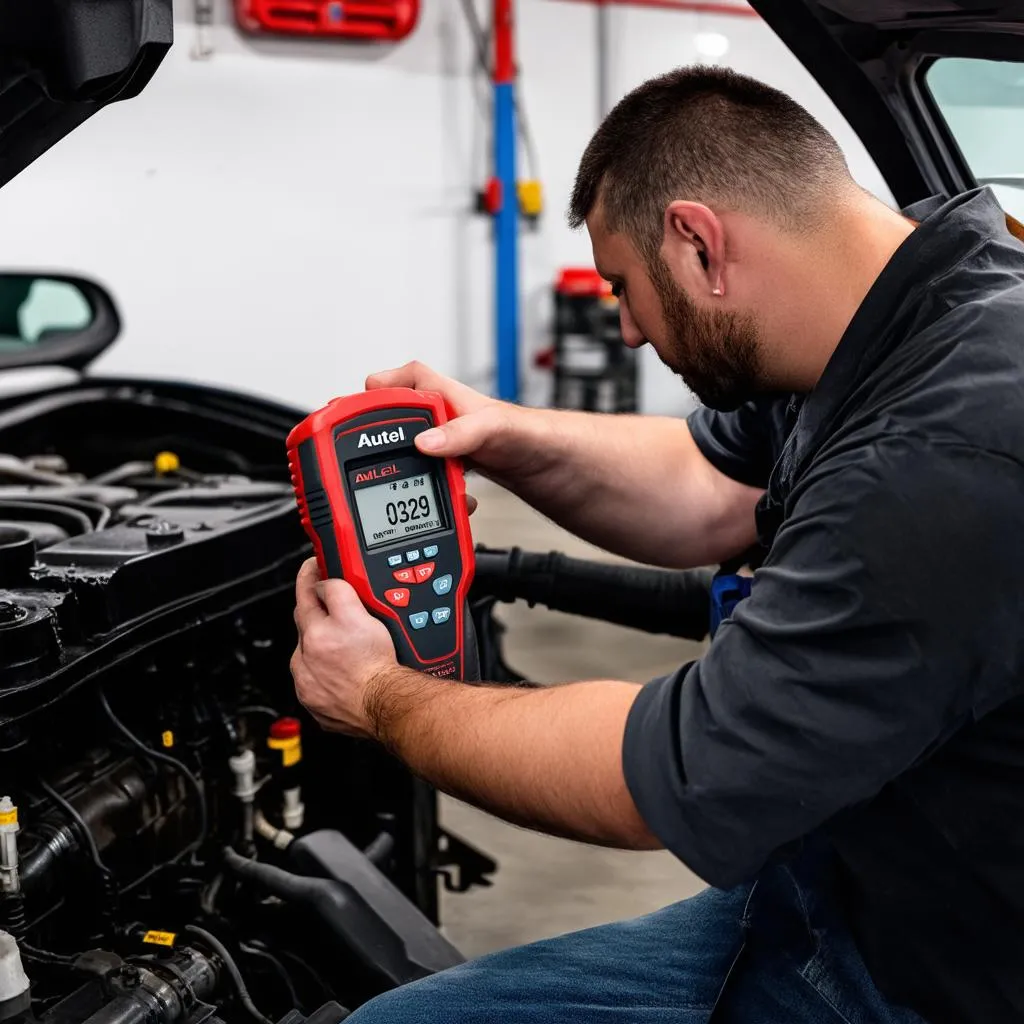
<point>286,217</point>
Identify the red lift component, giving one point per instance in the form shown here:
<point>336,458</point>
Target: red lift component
<point>383,21</point>
<point>492,194</point>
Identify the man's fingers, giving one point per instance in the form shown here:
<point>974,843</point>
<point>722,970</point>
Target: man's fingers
<point>471,504</point>
<point>461,397</point>
<point>338,597</point>
<point>463,435</point>
<point>412,375</point>
<point>307,604</point>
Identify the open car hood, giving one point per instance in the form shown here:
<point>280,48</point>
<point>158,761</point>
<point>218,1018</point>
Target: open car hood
<point>871,56</point>
<point>62,60</point>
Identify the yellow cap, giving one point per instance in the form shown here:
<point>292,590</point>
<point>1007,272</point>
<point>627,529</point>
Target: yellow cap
<point>531,198</point>
<point>167,738</point>
<point>8,812</point>
<point>166,462</point>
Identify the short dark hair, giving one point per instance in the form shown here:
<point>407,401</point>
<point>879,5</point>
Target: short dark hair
<point>710,135</point>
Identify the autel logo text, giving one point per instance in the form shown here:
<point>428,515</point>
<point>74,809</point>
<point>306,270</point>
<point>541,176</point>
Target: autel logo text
<point>384,437</point>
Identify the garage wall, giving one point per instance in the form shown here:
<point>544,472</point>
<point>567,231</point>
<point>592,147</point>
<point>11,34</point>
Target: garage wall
<point>286,217</point>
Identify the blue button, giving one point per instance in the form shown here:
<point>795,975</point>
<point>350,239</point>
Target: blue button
<point>419,619</point>
<point>440,615</point>
<point>443,584</point>
<point>394,560</point>
<point>412,556</point>
<point>429,551</point>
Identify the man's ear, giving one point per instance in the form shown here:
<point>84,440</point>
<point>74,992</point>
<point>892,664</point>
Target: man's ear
<point>694,247</point>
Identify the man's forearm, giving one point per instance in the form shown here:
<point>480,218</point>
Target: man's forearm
<point>548,759</point>
<point>634,485</point>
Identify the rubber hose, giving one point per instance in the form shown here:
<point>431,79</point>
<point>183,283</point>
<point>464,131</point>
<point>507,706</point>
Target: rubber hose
<point>232,968</point>
<point>674,602</point>
<point>380,849</point>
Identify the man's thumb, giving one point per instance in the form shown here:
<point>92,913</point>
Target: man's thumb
<point>461,436</point>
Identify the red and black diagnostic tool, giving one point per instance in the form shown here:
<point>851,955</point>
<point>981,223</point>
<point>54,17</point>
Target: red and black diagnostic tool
<point>391,521</point>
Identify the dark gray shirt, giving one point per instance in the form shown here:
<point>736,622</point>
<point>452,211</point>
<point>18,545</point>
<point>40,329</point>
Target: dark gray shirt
<point>869,691</point>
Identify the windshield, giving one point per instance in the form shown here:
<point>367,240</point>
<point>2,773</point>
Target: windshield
<point>982,102</point>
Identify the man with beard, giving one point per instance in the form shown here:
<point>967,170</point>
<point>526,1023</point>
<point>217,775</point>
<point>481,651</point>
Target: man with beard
<point>845,765</point>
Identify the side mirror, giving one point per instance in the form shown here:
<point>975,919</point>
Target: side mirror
<point>54,320</point>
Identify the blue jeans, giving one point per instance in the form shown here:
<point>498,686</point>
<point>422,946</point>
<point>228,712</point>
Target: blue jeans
<point>773,952</point>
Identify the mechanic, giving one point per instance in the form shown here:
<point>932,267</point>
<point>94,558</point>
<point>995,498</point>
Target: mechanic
<point>845,765</point>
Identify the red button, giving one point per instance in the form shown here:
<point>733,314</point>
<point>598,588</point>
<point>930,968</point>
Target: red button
<point>424,572</point>
<point>399,596</point>
<point>403,575</point>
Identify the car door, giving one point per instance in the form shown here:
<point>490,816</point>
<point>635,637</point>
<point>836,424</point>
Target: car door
<point>934,88</point>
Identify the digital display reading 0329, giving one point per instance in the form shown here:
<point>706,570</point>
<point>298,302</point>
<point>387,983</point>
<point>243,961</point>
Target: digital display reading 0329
<point>398,509</point>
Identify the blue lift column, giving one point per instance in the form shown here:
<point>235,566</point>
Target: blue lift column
<point>506,221</point>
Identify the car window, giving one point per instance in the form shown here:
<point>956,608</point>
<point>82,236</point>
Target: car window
<point>32,310</point>
<point>982,102</point>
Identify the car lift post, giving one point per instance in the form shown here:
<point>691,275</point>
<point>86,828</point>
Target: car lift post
<point>506,221</point>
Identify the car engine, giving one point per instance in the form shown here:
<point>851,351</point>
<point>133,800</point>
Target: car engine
<point>178,841</point>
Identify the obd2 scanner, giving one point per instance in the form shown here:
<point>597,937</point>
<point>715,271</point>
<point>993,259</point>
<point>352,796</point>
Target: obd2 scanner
<point>391,521</point>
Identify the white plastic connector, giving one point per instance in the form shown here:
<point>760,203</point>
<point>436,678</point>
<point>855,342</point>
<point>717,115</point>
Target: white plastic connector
<point>294,810</point>
<point>13,980</point>
<point>9,828</point>
<point>244,768</point>
<point>280,837</point>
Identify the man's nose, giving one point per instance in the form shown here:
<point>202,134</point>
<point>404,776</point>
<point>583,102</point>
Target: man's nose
<point>631,334</point>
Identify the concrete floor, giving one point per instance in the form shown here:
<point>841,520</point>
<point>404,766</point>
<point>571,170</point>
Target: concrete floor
<point>547,886</point>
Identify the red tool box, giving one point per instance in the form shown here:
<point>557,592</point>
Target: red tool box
<point>384,21</point>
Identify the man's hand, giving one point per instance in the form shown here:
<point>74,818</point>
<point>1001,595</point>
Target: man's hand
<point>342,655</point>
<point>548,758</point>
<point>499,439</point>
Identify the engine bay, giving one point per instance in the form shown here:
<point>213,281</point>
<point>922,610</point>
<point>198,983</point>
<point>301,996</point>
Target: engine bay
<point>83,558</point>
<point>178,840</point>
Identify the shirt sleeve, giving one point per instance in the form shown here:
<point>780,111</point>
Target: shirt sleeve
<point>743,444</point>
<point>854,656</point>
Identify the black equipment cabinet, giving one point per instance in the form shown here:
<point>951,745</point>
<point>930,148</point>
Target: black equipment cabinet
<point>592,369</point>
